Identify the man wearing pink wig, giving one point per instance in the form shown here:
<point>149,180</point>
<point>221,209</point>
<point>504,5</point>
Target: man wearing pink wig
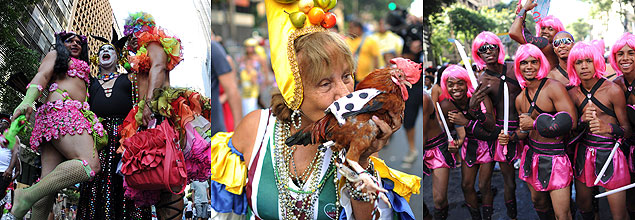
<point>546,117</point>
<point>622,58</point>
<point>489,54</point>
<point>546,29</point>
<point>602,107</point>
<point>456,94</point>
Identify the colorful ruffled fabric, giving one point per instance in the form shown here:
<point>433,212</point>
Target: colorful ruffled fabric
<point>229,176</point>
<point>171,45</point>
<point>80,69</point>
<point>62,117</point>
<point>228,165</point>
<point>404,184</point>
<point>139,21</point>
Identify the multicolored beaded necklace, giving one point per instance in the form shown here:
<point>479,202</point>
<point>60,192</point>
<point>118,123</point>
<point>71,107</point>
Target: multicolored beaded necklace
<point>108,77</point>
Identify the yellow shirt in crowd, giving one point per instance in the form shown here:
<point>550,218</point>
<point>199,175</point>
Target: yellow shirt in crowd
<point>388,42</point>
<point>368,52</point>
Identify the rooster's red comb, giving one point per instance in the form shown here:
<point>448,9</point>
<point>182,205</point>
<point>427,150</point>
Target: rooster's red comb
<point>409,67</point>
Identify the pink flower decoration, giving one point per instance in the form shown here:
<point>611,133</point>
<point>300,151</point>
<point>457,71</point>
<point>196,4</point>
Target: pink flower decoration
<point>65,94</point>
<point>59,104</point>
<point>53,87</point>
<point>84,162</point>
<point>86,106</point>
<point>77,104</point>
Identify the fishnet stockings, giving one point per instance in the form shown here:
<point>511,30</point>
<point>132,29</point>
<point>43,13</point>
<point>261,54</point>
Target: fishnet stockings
<point>64,175</point>
<point>42,207</point>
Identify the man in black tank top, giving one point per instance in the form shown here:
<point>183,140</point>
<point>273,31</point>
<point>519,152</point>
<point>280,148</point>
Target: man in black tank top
<point>562,44</point>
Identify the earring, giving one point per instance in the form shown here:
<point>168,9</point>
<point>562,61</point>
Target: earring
<point>293,115</point>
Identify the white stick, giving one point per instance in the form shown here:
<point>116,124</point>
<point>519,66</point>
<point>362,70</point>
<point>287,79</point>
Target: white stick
<point>445,124</point>
<point>615,190</point>
<point>466,61</point>
<point>506,111</point>
<point>606,163</point>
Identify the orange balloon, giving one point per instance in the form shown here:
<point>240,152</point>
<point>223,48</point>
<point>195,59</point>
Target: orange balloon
<point>316,15</point>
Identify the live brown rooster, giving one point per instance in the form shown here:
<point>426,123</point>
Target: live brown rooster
<point>353,129</point>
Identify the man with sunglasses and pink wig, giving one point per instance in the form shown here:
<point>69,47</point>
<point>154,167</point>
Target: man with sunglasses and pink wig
<point>546,29</point>
<point>547,118</point>
<point>489,55</point>
<point>622,58</point>
<point>562,43</point>
<point>602,108</point>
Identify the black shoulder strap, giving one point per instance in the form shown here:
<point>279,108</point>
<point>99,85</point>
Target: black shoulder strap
<point>360,45</point>
<point>589,96</point>
<point>463,111</point>
<point>562,71</point>
<point>532,102</point>
<point>629,89</point>
<point>504,79</point>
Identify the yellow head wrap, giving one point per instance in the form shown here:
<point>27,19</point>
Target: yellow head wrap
<point>282,33</point>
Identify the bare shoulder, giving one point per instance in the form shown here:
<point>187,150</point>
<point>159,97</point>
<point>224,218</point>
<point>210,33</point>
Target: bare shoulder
<point>446,105</point>
<point>614,88</point>
<point>246,132</point>
<point>555,85</point>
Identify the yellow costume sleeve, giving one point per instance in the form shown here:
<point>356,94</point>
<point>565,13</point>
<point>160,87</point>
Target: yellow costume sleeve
<point>228,166</point>
<point>405,184</point>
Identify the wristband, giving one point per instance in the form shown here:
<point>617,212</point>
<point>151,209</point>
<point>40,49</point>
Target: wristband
<point>521,13</point>
<point>478,114</point>
<point>39,87</point>
<point>616,130</point>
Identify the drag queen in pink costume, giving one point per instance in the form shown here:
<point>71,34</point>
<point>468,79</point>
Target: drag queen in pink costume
<point>65,131</point>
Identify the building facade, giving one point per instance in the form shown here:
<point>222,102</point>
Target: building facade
<point>204,12</point>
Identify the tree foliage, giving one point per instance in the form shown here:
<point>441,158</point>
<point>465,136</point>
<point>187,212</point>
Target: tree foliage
<point>469,23</point>
<point>580,29</point>
<point>14,57</point>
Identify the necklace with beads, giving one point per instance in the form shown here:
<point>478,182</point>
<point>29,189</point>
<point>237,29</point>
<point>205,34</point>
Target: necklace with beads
<point>108,77</point>
<point>302,205</point>
<point>135,89</point>
<point>105,78</point>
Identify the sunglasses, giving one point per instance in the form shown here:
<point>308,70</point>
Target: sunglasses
<point>566,41</point>
<point>486,47</point>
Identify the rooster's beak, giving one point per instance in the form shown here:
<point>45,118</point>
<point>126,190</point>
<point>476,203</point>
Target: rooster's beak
<point>408,84</point>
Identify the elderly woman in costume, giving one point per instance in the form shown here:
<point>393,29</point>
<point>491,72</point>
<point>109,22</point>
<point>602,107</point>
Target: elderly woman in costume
<point>111,96</point>
<point>155,54</point>
<point>602,109</point>
<point>545,119</point>
<point>64,127</point>
<point>255,173</point>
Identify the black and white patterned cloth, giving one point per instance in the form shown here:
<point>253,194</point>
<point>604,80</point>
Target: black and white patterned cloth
<point>351,103</point>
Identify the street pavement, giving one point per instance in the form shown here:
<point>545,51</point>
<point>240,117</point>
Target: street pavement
<point>394,152</point>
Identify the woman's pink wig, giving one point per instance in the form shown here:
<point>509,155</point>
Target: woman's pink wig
<point>626,39</point>
<point>529,50</point>
<point>489,38</point>
<point>549,21</point>
<point>458,72</point>
<point>584,50</point>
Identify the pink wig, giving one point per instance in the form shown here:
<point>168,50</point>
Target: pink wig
<point>599,44</point>
<point>584,50</point>
<point>549,21</point>
<point>458,72</point>
<point>489,38</point>
<point>529,50</point>
<point>626,39</point>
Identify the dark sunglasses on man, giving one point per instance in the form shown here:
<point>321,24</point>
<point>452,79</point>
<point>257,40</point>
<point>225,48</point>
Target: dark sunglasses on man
<point>486,47</point>
<point>561,41</point>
